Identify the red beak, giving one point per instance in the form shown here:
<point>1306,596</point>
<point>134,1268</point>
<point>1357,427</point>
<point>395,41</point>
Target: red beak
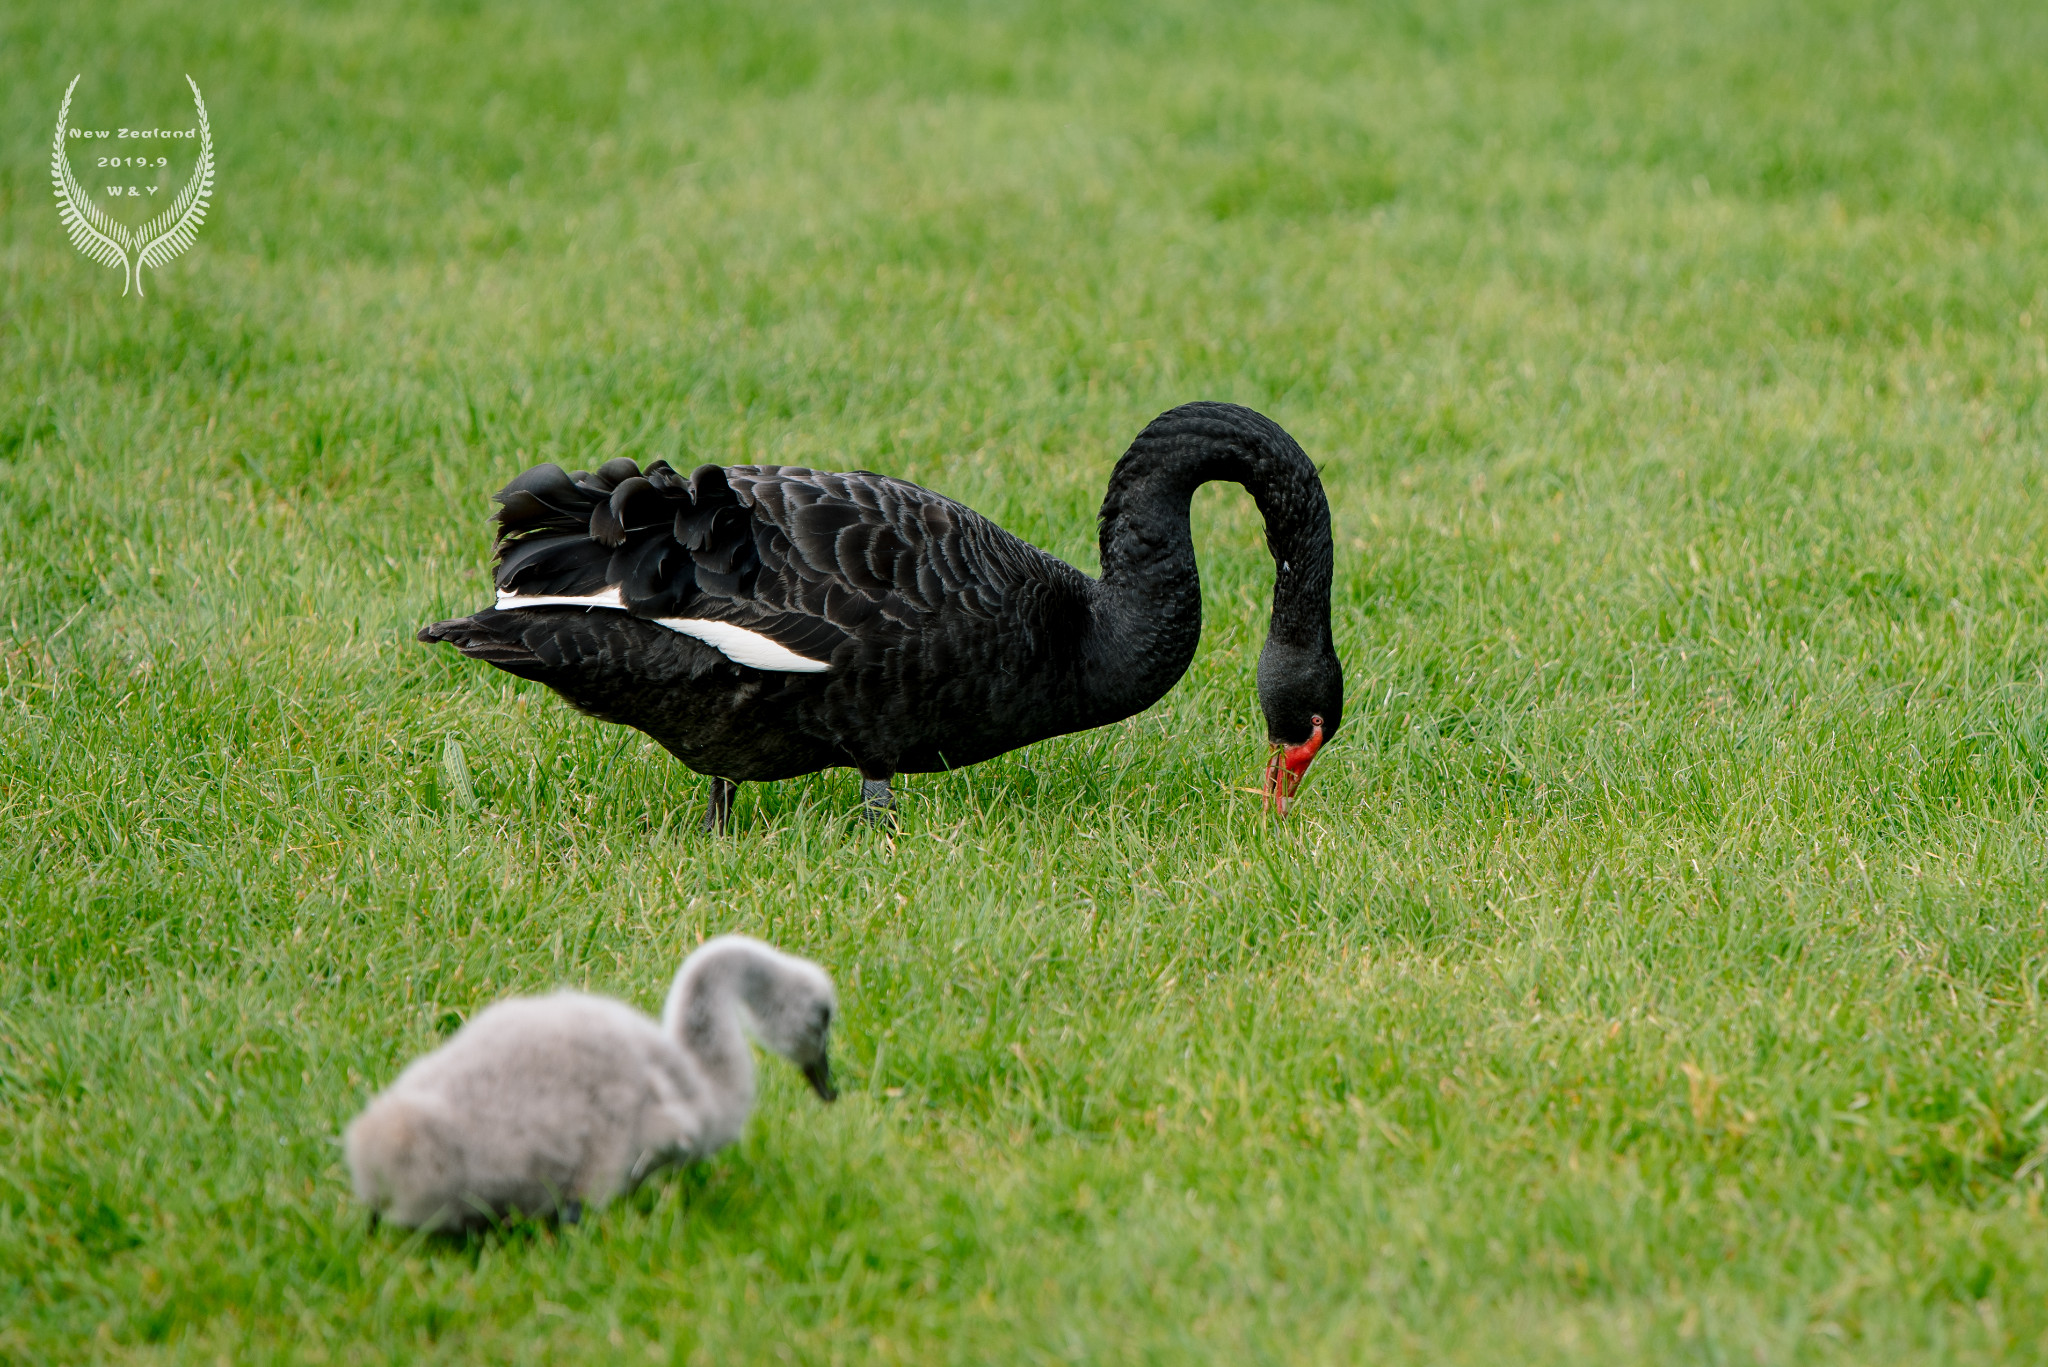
<point>1289,765</point>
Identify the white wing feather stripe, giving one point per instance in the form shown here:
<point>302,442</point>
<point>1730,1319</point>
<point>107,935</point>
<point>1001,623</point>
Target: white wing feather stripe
<point>610,598</point>
<point>736,643</point>
<point>745,647</point>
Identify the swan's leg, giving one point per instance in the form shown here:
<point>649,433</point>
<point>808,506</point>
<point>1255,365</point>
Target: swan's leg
<point>572,1213</point>
<point>718,811</point>
<point>877,803</point>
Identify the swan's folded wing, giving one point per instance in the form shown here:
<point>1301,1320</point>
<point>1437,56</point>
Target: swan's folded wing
<point>818,563</point>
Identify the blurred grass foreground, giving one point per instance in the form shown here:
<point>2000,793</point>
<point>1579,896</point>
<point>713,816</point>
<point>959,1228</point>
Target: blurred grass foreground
<point>1651,971</point>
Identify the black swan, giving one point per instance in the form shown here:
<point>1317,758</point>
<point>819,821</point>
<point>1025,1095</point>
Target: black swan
<point>545,1105</point>
<point>764,621</point>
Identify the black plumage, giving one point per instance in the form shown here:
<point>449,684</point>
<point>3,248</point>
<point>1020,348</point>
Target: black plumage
<point>935,638</point>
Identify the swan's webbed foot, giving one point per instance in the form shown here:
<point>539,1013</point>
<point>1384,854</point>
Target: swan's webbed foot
<point>718,811</point>
<point>877,803</point>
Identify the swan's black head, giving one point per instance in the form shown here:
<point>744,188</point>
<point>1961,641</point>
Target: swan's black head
<point>1301,691</point>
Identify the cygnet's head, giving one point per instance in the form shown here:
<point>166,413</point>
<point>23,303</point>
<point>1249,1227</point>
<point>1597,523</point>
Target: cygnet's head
<point>796,1022</point>
<point>788,1002</point>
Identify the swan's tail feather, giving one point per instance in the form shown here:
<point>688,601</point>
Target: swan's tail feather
<point>490,636</point>
<point>592,658</point>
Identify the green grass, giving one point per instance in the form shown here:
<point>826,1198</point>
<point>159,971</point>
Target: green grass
<point>1652,971</point>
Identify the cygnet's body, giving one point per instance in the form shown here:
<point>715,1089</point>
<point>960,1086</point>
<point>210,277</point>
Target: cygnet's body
<point>544,1105</point>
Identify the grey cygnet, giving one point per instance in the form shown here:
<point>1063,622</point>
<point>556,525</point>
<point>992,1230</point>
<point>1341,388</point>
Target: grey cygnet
<point>545,1105</point>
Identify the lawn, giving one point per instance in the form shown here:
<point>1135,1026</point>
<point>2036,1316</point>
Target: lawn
<point>1652,970</point>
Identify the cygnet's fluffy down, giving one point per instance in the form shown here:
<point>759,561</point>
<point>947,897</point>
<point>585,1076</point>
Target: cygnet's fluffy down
<point>545,1105</point>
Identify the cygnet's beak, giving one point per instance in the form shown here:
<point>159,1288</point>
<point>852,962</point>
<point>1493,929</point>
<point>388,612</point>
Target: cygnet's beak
<point>819,1074</point>
<point>1288,766</point>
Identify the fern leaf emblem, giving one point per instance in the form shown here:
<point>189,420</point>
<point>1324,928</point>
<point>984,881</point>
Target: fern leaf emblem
<point>156,243</point>
<point>92,231</point>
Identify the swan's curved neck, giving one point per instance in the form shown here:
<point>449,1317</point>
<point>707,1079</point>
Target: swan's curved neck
<point>703,1014</point>
<point>1145,616</point>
